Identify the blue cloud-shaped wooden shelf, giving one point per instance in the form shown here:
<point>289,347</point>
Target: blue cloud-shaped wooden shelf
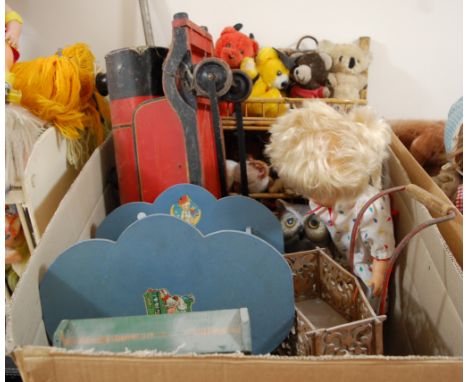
<point>223,270</point>
<point>199,207</point>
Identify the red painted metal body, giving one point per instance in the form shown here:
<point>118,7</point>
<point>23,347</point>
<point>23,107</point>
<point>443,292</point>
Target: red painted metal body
<point>162,141</point>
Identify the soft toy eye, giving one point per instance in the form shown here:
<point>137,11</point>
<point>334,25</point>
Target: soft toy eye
<point>313,223</point>
<point>228,45</point>
<point>290,222</point>
<point>241,52</point>
<point>279,73</point>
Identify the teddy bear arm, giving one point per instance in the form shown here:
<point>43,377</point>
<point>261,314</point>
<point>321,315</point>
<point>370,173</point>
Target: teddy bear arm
<point>248,66</point>
<point>332,79</point>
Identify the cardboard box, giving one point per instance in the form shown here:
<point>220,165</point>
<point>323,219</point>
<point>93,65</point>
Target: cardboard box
<point>423,334</point>
<point>452,231</point>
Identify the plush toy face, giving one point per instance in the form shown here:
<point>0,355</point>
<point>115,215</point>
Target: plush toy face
<point>311,70</point>
<point>232,46</point>
<point>347,58</point>
<point>270,67</point>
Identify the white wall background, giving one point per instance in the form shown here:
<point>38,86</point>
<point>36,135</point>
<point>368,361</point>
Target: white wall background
<point>416,44</point>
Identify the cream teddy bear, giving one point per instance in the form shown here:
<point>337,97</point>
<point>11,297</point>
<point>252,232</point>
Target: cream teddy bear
<point>348,73</point>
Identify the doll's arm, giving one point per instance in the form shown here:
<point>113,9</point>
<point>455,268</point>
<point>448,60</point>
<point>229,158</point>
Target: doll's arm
<point>13,25</point>
<point>379,268</point>
<point>377,233</point>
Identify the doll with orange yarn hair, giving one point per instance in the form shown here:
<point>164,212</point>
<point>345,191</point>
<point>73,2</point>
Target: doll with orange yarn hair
<point>13,25</point>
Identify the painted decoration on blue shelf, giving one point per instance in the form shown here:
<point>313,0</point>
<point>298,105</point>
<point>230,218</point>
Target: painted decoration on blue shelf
<point>200,208</point>
<point>222,270</point>
<point>187,210</point>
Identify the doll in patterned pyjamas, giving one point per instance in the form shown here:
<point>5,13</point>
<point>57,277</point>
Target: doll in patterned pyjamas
<point>335,161</point>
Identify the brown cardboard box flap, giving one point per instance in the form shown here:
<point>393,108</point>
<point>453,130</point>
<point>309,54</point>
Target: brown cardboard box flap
<point>52,365</point>
<point>452,231</point>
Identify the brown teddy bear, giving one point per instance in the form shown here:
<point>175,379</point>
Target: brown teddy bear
<point>425,140</point>
<point>309,76</point>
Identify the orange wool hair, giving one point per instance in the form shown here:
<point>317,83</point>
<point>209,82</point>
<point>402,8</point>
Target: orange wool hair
<point>60,89</point>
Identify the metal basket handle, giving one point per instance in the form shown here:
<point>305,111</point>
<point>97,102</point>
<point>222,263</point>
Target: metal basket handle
<point>303,38</point>
<point>432,203</point>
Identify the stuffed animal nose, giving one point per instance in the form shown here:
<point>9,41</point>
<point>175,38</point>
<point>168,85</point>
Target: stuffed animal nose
<point>284,84</point>
<point>352,63</point>
<point>301,233</point>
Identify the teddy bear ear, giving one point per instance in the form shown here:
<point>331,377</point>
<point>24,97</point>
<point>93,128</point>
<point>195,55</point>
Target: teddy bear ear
<point>281,204</point>
<point>227,30</point>
<point>238,27</point>
<point>325,46</point>
<point>295,56</point>
<point>285,59</point>
<point>254,45</point>
<point>327,60</point>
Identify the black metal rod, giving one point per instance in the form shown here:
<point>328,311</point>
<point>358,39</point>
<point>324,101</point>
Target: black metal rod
<point>241,147</point>
<point>217,132</point>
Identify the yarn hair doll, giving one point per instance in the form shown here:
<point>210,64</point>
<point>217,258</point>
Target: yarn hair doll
<point>13,26</point>
<point>335,161</point>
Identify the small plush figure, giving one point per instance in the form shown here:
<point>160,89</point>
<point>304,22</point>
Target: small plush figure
<point>257,175</point>
<point>449,181</point>
<point>450,177</point>
<point>310,76</point>
<point>13,26</point>
<point>233,46</point>
<point>335,161</point>
<point>350,63</point>
<point>270,74</point>
<point>424,140</point>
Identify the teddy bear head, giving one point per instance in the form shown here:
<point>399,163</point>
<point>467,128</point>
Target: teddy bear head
<point>347,58</point>
<point>273,66</point>
<point>233,46</point>
<point>311,70</point>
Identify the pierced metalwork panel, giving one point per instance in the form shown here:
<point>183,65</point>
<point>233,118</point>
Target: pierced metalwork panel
<point>363,309</point>
<point>350,339</point>
<point>304,343</point>
<point>304,266</point>
<point>338,287</point>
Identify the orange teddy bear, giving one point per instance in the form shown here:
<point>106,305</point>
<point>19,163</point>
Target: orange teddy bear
<point>233,46</point>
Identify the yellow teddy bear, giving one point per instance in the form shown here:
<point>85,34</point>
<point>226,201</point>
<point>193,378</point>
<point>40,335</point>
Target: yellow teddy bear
<point>270,74</point>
